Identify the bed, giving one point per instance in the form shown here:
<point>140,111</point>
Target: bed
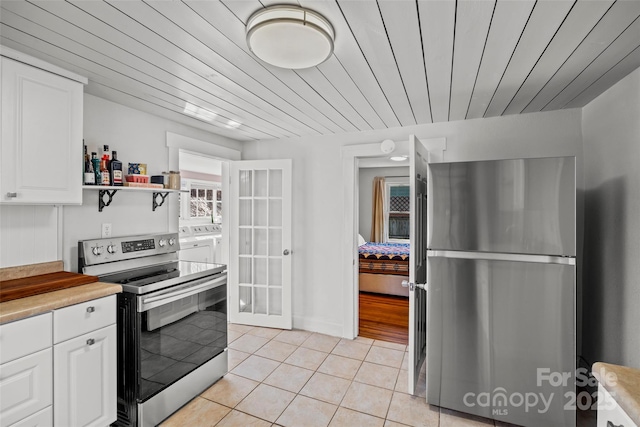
<point>383,267</point>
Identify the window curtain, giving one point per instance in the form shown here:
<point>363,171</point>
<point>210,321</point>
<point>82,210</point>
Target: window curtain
<point>377,219</point>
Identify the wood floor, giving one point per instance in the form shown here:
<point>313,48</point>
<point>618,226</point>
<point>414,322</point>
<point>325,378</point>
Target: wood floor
<point>384,317</point>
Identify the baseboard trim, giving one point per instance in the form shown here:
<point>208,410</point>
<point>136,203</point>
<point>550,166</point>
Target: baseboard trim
<point>319,326</point>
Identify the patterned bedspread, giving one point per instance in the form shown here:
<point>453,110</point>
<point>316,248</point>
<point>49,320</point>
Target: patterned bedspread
<point>384,258</point>
<point>370,250</point>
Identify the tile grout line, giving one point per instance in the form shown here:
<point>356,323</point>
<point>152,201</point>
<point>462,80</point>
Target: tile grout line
<point>338,405</point>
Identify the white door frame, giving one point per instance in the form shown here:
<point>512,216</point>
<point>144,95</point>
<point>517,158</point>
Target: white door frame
<point>176,142</point>
<point>350,156</point>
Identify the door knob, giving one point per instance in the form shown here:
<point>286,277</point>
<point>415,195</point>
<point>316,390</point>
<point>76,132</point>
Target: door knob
<point>413,286</point>
<point>285,252</point>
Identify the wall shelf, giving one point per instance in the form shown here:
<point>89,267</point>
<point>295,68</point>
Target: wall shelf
<point>158,198</point>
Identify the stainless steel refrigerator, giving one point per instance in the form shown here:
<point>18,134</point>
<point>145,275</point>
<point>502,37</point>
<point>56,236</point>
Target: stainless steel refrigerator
<point>501,340</point>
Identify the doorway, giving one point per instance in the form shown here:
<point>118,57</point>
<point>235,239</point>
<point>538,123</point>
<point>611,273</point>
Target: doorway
<point>200,221</point>
<point>383,254</point>
<point>351,156</point>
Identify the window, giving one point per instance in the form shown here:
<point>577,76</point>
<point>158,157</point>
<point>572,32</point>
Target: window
<point>397,209</point>
<point>203,203</point>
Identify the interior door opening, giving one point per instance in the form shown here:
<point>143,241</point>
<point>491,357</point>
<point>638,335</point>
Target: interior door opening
<point>200,222</point>
<point>383,249</point>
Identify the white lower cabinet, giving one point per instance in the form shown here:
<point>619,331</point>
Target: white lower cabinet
<point>85,379</point>
<point>85,364</point>
<point>59,368</point>
<point>43,418</point>
<point>610,414</point>
<point>25,386</point>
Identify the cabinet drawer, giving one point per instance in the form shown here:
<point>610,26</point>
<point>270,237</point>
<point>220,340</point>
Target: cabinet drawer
<point>76,320</point>
<point>43,418</point>
<point>26,386</point>
<point>24,337</point>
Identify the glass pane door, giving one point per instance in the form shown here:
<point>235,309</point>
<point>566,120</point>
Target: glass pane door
<point>263,241</point>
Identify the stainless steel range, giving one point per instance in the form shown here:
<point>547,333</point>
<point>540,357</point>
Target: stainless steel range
<point>172,322</point>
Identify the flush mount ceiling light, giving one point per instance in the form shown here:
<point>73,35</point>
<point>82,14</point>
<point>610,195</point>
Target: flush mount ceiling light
<point>289,36</point>
<point>398,158</point>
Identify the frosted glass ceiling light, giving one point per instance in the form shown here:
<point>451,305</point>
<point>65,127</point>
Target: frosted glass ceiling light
<point>290,36</point>
<point>199,112</point>
<point>398,158</point>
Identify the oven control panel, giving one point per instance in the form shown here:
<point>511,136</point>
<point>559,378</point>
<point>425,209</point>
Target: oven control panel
<point>138,245</point>
<point>99,251</point>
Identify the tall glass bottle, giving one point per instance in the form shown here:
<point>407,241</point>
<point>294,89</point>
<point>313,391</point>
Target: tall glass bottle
<point>95,162</point>
<point>89,175</point>
<point>104,167</point>
<point>115,170</point>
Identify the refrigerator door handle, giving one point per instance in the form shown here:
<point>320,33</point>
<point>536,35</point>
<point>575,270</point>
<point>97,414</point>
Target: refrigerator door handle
<point>498,256</point>
<point>412,286</point>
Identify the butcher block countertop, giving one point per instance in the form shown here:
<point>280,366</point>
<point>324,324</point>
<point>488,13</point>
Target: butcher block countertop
<point>58,295</point>
<point>622,382</point>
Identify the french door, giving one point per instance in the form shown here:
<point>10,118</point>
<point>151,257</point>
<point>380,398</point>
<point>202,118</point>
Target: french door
<point>418,172</point>
<point>259,271</point>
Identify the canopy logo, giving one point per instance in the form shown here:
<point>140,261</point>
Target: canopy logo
<point>500,400</point>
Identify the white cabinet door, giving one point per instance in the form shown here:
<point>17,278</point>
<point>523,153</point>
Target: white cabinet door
<point>85,379</point>
<point>25,386</point>
<point>41,146</point>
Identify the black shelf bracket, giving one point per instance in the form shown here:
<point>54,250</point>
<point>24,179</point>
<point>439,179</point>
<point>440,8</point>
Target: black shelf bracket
<point>101,202</point>
<point>157,194</point>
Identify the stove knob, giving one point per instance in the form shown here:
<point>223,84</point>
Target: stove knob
<point>111,249</point>
<point>172,241</point>
<point>97,250</point>
<point>162,242</point>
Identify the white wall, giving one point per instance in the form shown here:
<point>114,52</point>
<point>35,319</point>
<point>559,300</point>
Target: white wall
<point>317,191</point>
<point>611,133</point>
<point>28,234</point>
<point>137,137</point>
<point>365,199</point>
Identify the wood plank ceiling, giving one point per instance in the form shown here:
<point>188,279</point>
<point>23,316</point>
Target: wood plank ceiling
<point>396,62</point>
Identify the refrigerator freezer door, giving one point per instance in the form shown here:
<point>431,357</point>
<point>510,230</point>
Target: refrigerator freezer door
<point>497,331</point>
<point>522,206</point>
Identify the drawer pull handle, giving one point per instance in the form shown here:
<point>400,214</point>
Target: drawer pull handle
<point>11,195</point>
<point>91,309</point>
<point>610,424</point>
<point>91,341</point>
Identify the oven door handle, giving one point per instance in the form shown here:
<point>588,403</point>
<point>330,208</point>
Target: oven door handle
<point>149,302</point>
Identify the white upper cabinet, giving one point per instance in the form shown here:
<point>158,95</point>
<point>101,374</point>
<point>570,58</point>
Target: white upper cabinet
<point>41,147</point>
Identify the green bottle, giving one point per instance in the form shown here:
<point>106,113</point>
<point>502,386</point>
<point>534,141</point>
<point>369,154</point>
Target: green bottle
<point>95,161</point>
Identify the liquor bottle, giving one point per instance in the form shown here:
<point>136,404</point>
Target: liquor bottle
<point>104,167</point>
<point>95,162</point>
<point>89,175</point>
<point>115,169</point>
<point>106,155</point>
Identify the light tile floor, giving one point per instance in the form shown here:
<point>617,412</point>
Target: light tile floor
<point>303,379</point>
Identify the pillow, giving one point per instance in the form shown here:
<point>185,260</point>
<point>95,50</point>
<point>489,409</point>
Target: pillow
<point>361,240</point>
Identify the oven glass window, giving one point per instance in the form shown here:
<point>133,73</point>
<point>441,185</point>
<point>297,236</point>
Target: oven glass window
<point>180,336</point>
